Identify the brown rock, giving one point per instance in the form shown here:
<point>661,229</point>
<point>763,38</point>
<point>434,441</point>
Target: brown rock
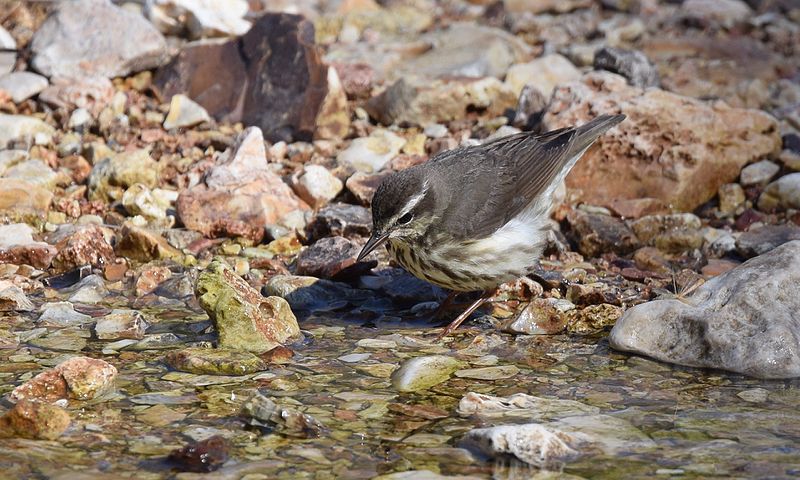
<point>144,245</point>
<point>37,255</point>
<point>240,195</point>
<point>149,278</point>
<point>287,91</point>
<point>203,456</point>
<point>422,102</point>
<point>593,319</point>
<point>598,234</point>
<point>34,420</point>
<point>48,386</point>
<point>327,257</point>
<point>542,316</point>
<point>80,378</point>
<point>363,185</point>
<point>716,266</point>
<point>23,202</point>
<point>676,149</point>
<point>85,246</point>
<point>651,259</point>
<point>340,219</point>
<point>637,207</point>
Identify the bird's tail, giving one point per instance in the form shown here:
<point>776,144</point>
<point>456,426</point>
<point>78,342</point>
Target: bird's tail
<point>587,133</point>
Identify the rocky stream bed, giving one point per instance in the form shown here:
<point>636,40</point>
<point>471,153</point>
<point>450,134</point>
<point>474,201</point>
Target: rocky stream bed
<point>185,186</point>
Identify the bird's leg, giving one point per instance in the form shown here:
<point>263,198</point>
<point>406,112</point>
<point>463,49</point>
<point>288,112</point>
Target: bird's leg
<point>446,304</point>
<point>460,319</point>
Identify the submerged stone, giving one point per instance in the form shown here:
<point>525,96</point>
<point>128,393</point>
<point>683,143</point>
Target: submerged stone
<point>421,373</point>
<point>34,420</point>
<point>214,361</point>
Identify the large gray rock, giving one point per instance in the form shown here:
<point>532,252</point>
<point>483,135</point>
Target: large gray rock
<point>745,320</point>
<point>95,37</point>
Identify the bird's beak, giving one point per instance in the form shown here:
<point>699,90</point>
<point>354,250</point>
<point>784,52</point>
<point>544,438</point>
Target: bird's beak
<point>374,242</point>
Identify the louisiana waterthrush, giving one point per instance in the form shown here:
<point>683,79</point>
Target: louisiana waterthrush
<point>473,218</point>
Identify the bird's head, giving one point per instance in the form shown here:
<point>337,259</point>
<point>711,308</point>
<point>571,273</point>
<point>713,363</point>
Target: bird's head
<point>403,207</point>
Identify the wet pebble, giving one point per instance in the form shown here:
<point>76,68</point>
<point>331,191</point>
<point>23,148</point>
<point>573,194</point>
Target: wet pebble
<point>758,173</point>
<point>214,361</point>
<point>121,324</point>
<point>62,314</point>
<point>420,373</point>
<point>488,373</point>
<point>203,456</point>
<point>265,412</point>
<point>79,378</point>
<point>34,420</point>
<point>542,316</point>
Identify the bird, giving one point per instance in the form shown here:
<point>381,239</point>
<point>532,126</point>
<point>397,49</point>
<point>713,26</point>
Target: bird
<point>472,218</point>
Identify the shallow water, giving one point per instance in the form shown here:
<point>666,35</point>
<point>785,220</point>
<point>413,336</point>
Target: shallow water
<point>699,425</point>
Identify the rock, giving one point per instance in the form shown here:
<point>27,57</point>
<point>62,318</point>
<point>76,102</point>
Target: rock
<point>277,47</point>
<point>112,176</point>
<point>341,220</point>
<point>62,314</point>
<point>243,318</point>
<point>759,173</point>
<point>240,195</point>
<point>421,373</point>
<point>24,129</point>
<point>203,456</point>
<point>22,85</point>
<point>488,373</point>
<point>87,245</point>
<point>679,240</point>
<point>370,154</point>
<point>327,257</point>
<point>521,405</point>
<point>310,294</point>
<point>264,412</point>
<point>18,247</point>
<point>740,321</point>
<point>34,420</point>
<point>200,18</point>
<point>452,53</point>
<point>716,267</point>
<point>544,6</point>
<point>631,64</point>
<point>542,316</point>
<point>727,13</point>
<point>363,185</point>
<point>421,102</point>
<point>78,378</point>
<point>754,395</point>
<point>534,444</point>
<point>13,299</point>
<point>82,38</point>
<point>544,73</point>
<point>34,172</point>
<point>120,324</point>
<point>648,228</point>
<point>149,278</point>
<point>144,245</point>
<point>731,198</point>
<point>761,240</point>
<point>783,193</point>
<point>207,361</point>
<point>183,112</point>
<point>316,185</point>
<point>707,146</point>
<point>138,199</point>
<point>638,207</point>
<point>90,93</point>
<point>592,319</point>
<point>6,40</point>
<point>90,290</point>
<point>598,234</point>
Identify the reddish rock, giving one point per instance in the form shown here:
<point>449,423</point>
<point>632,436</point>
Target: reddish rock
<point>38,255</point>
<point>273,77</point>
<point>363,185</point>
<point>675,149</point>
<point>23,202</point>
<point>598,234</point>
<point>149,278</point>
<point>240,196</point>
<point>85,246</point>
<point>91,93</point>
<point>203,456</point>
<point>79,378</point>
<point>716,266</point>
<point>340,219</point>
<point>34,420</point>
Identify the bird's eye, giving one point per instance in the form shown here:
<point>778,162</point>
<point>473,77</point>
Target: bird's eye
<point>405,218</point>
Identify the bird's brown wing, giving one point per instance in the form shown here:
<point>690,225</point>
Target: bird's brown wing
<point>501,178</point>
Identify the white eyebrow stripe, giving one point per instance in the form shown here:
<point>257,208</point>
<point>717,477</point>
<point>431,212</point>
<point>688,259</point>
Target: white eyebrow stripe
<point>413,201</point>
